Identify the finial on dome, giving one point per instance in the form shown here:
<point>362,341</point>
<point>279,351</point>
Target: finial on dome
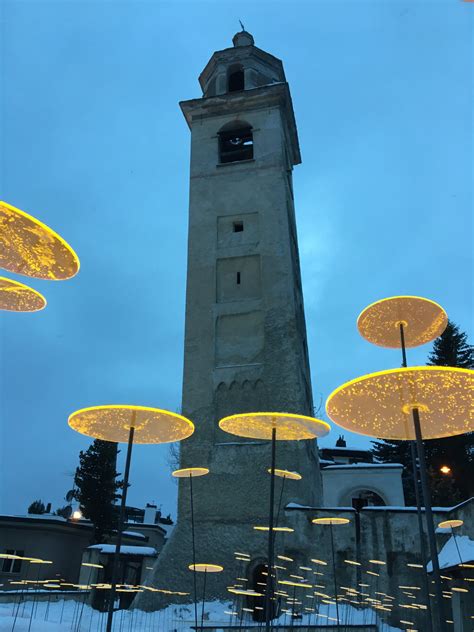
<point>243,38</point>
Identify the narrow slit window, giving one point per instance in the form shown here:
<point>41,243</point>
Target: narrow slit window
<point>238,227</point>
<point>238,278</point>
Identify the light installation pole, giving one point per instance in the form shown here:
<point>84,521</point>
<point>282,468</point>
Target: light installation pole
<point>128,424</point>
<point>273,427</point>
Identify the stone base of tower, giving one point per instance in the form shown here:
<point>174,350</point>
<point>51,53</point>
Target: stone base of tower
<point>218,544</point>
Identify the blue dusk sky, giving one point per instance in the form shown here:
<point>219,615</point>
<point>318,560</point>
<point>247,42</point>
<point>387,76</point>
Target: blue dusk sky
<point>95,145</point>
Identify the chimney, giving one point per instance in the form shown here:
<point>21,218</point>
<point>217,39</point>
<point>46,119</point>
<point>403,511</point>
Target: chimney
<point>150,514</point>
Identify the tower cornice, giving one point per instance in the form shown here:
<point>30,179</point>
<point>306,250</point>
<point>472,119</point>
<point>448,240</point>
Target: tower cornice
<point>233,103</point>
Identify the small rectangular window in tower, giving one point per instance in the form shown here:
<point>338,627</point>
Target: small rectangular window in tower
<point>238,227</point>
<point>238,278</point>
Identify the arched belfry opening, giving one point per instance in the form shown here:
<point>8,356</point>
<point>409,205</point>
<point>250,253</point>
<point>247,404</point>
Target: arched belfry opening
<point>235,79</point>
<point>235,142</point>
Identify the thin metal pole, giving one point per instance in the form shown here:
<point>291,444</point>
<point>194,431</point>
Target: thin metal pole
<point>123,504</point>
<point>456,545</point>
<point>429,519</point>
<point>270,535</point>
<point>424,557</point>
<point>402,339</point>
<point>334,572</point>
<point>203,598</point>
<point>194,551</point>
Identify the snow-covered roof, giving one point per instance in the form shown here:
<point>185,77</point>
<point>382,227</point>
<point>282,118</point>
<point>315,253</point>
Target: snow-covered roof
<point>125,550</point>
<point>297,506</point>
<point>449,555</point>
<point>135,534</point>
<point>345,449</point>
<point>364,465</point>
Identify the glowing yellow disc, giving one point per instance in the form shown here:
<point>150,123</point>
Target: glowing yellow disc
<point>380,404</point>
<point>294,476</point>
<point>423,320</point>
<point>206,568</point>
<point>16,297</point>
<point>113,423</point>
<point>29,247</point>
<point>330,520</point>
<point>282,529</point>
<point>451,524</point>
<point>190,471</point>
<point>288,427</point>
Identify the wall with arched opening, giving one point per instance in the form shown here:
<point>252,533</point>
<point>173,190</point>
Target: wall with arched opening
<point>363,484</point>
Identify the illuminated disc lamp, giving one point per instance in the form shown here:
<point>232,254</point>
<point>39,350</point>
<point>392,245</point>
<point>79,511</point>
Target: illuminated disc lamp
<point>381,404</point>
<point>190,473</point>
<point>271,426</point>
<point>17,297</point>
<point>120,423</point>
<point>29,247</point>
<point>421,319</point>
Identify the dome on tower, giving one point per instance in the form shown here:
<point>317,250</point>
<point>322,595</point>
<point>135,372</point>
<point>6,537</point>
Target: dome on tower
<point>242,38</point>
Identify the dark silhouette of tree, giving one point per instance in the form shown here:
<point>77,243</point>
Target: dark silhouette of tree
<point>97,487</point>
<point>37,507</point>
<point>450,349</point>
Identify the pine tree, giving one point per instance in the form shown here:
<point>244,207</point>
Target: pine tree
<point>450,349</point>
<point>37,507</point>
<point>97,486</point>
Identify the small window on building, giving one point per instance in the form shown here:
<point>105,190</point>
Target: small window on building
<point>238,227</point>
<point>236,79</point>
<point>236,145</point>
<point>12,565</point>
<point>238,278</point>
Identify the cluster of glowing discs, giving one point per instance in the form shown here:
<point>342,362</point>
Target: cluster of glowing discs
<point>113,423</point>
<point>380,404</point>
<point>289,427</point>
<point>29,247</point>
<point>423,320</point>
<point>189,472</point>
<point>17,297</point>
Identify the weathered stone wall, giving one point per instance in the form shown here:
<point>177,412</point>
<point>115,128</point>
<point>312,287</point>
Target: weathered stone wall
<point>387,534</point>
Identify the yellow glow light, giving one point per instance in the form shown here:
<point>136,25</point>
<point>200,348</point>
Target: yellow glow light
<point>282,529</point>
<point>330,520</point>
<point>17,297</point>
<point>294,476</point>
<point>379,404</point>
<point>284,558</point>
<point>77,515</point>
<point>89,564</point>
<point>450,524</point>
<point>423,320</point>
<point>352,562</point>
<point>29,247</point>
<point>445,469</point>
<point>206,568</point>
<point>247,593</point>
<point>288,427</point>
<point>190,471</point>
<point>377,562</point>
<point>321,562</point>
<point>112,423</point>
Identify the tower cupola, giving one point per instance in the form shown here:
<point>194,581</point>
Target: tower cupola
<point>242,67</point>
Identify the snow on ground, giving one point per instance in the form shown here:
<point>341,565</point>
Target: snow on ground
<point>454,552</point>
<point>73,616</point>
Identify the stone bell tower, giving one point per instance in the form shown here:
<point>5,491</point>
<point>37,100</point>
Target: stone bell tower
<point>245,339</point>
